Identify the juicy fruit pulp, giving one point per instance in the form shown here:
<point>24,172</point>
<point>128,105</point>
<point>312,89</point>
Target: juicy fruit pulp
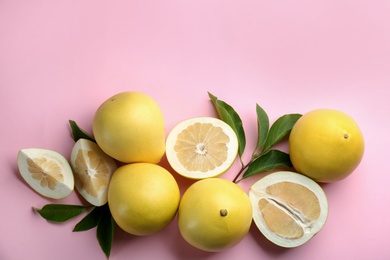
<point>201,147</point>
<point>130,128</point>
<point>143,198</point>
<point>288,208</point>
<point>214,214</point>
<point>47,172</point>
<point>92,170</point>
<point>326,145</point>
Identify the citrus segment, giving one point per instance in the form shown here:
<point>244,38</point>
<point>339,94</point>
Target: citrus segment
<point>288,208</point>
<point>201,147</point>
<point>143,198</point>
<point>92,171</point>
<point>46,171</point>
<point>214,214</point>
<point>129,127</point>
<point>326,145</point>
<point>278,221</point>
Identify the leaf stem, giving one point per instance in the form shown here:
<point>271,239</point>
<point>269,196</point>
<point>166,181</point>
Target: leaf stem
<point>243,168</point>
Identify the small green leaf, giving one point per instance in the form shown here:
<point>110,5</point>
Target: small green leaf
<point>230,116</point>
<point>78,133</point>
<point>267,162</point>
<point>262,126</point>
<point>279,130</point>
<point>105,230</point>
<point>90,221</point>
<point>60,212</point>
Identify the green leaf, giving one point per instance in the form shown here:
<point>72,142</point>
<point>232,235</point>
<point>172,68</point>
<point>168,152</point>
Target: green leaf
<point>91,220</point>
<point>267,162</point>
<point>230,116</point>
<point>262,126</point>
<point>279,130</point>
<point>105,230</point>
<point>60,212</point>
<point>78,133</point>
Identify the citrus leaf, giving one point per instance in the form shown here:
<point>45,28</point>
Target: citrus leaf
<point>267,162</point>
<point>105,230</point>
<point>230,116</point>
<point>78,133</point>
<point>91,220</point>
<point>262,126</point>
<point>280,129</point>
<point>60,212</point>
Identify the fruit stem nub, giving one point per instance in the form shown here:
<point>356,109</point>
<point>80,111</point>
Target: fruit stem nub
<point>223,212</point>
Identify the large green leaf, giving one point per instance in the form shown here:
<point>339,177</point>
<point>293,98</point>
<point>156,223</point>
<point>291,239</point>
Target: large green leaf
<point>90,221</point>
<point>105,231</point>
<point>268,162</point>
<point>280,129</point>
<point>60,212</point>
<point>262,126</point>
<point>230,116</point>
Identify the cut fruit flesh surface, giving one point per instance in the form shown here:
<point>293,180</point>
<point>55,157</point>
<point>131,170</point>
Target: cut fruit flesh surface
<point>47,172</point>
<point>201,147</point>
<point>92,170</point>
<point>288,208</point>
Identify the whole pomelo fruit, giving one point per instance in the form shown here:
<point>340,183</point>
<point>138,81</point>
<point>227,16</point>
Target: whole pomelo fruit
<point>143,198</point>
<point>214,214</point>
<point>130,127</point>
<point>326,145</point>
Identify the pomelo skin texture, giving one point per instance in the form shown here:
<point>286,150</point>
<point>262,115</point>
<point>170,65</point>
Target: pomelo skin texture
<point>143,198</point>
<point>130,127</point>
<point>326,145</point>
<point>214,214</point>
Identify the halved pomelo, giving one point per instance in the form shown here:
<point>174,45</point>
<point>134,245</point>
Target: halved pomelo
<point>288,208</point>
<point>46,171</point>
<point>201,147</point>
<point>92,171</point>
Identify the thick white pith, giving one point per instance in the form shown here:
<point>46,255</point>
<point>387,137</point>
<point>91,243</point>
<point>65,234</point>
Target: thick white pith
<point>47,172</point>
<point>306,226</point>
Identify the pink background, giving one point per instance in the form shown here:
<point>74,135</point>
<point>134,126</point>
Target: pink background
<point>60,59</point>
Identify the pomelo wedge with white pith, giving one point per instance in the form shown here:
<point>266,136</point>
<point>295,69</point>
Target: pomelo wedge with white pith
<point>288,208</point>
<point>92,171</point>
<point>201,147</point>
<point>47,172</point>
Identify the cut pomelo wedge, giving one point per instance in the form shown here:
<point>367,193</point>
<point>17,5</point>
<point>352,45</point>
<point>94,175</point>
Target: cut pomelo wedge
<point>201,147</point>
<point>288,208</point>
<point>92,171</point>
<point>46,171</point>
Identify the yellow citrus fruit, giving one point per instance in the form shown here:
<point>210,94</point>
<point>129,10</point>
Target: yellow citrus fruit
<point>143,198</point>
<point>92,170</point>
<point>130,128</point>
<point>201,147</point>
<point>326,145</point>
<point>288,208</point>
<point>214,214</point>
